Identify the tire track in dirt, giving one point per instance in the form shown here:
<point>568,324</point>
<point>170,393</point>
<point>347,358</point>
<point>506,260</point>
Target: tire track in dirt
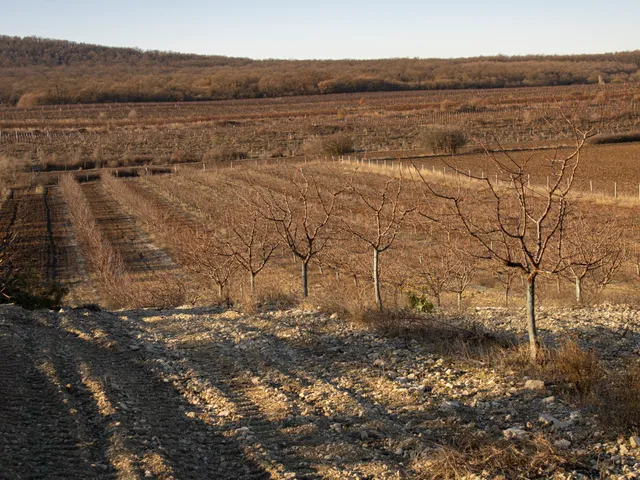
<point>30,251</point>
<point>44,246</point>
<point>81,399</point>
<point>52,250</point>
<point>42,435</point>
<point>268,396</point>
<point>152,426</point>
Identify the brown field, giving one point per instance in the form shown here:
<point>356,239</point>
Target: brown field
<point>198,143</point>
<point>146,207</point>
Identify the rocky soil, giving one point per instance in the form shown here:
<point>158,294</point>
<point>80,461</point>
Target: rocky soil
<point>208,393</point>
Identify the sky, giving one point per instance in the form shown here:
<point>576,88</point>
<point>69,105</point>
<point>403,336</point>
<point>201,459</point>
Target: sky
<point>331,29</point>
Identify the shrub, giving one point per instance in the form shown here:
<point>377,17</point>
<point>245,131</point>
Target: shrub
<point>622,390</point>
<point>420,303</point>
<point>223,154</point>
<point>178,156</point>
<point>580,368</point>
<point>27,290</point>
<point>32,99</point>
<point>443,139</point>
<point>338,144</point>
<point>446,105</point>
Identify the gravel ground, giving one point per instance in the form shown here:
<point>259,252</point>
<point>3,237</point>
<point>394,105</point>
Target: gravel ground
<point>210,393</point>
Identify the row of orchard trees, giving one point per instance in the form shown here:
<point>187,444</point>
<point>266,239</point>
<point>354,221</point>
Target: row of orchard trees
<point>521,228</point>
<point>320,215</point>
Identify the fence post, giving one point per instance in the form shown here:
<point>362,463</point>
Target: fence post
<point>591,185</point>
<point>615,189</point>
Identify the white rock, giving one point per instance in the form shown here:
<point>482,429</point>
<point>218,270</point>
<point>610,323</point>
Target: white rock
<point>515,432</point>
<point>550,419</point>
<point>534,385</point>
<point>634,442</point>
<point>547,419</point>
<point>563,443</point>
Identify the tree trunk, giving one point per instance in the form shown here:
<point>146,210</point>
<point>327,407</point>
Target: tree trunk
<point>220,290</point>
<point>459,300</point>
<point>578,290</point>
<point>376,278</point>
<point>506,295</point>
<point>305,285</point>
<point>252,282</point>
<point>531,317</point>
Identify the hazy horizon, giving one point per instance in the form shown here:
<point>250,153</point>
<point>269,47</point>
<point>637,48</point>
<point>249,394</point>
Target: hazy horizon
<point>335,30</point>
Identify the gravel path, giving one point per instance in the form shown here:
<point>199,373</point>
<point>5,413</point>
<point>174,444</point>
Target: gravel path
<point>204,393</point>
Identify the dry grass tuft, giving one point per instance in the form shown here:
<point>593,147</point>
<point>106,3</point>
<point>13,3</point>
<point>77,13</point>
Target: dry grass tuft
<point>486,458</point>
<point>580,374</point>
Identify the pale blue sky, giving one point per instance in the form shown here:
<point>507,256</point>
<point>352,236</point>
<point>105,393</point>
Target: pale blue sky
<point>335,29</point>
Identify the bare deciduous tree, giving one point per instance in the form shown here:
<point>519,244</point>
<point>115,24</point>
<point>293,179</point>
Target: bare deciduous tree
<point>204,255</point>
<point>250,242</point>
<point>303,219</point>
<point>593,249</point>
<point>518,225</point>
<point>386,216</point>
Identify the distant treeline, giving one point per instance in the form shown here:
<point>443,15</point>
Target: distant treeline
<point>36,71</point>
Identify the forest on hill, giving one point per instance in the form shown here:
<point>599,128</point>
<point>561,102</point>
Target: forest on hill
<point>36,71</point>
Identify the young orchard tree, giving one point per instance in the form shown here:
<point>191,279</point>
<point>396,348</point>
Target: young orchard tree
<point>302,218</point>
<point>506,276</point>
<point>520,226</point>
<point>464,268</point>
<point>204,254</point>
<point>446,265</point>
<point>250,242</point>
<point>385,216</point>
<point>593,250</point>
<point>432,272</point>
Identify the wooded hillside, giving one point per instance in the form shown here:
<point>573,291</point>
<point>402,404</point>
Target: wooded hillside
<point>36,71</point>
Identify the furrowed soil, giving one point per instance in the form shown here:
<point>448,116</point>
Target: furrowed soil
<point>211,393</point>
<point>43,244</point>
<point>140,256</point>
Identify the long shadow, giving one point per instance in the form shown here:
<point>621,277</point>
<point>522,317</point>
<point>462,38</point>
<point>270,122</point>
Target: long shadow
<point>221,359</point>
<point>41,436</point>
<point>151,414</point>
<point>209,356</point>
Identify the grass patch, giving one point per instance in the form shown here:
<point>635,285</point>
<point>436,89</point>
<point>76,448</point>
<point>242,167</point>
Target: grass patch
<point>482,457</point>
